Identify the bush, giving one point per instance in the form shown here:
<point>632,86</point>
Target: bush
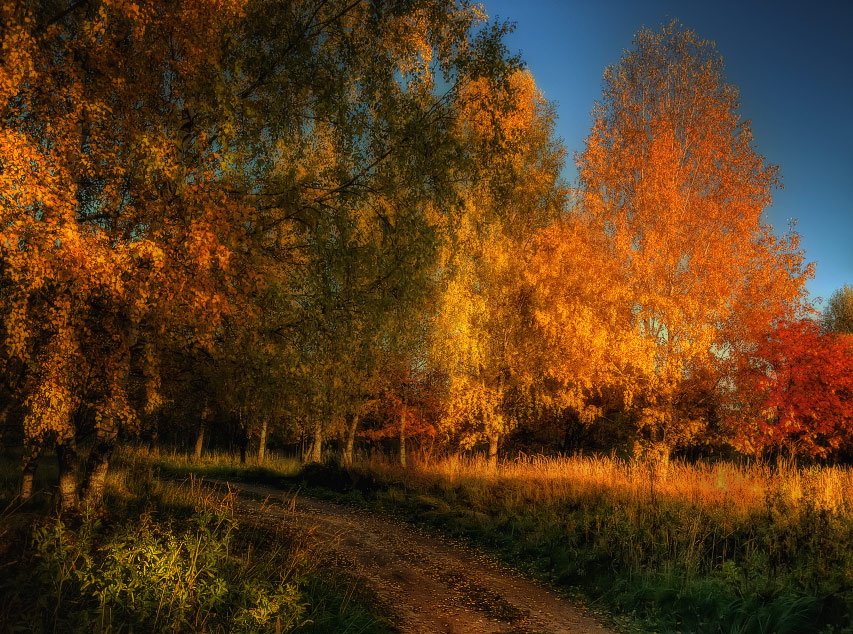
<point>150,576</point>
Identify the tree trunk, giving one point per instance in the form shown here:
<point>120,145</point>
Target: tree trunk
<point>403,440</point>
<point>244,447</point>
<point>27,481</point>
<point>244,438</point>
<point>153,447</point>
<point>199,441</point>
<point>29,472</point>
<point>660,460</point>
<point>315,453</point>
<point>347,457</point>
<point>493,451</point>
<point>262,446</point>
<point>3,413</point>
<point>95,476</point>
<point>202,427</point>
<point>66,453</point>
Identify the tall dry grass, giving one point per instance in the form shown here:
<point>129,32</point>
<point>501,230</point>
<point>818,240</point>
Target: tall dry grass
<point>742,486</point>
<point>692,547</point>
<point>680,547</point>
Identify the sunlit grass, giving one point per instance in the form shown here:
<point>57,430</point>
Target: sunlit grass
<point>690,547</point>
<point>739,487</point>
<point>693,547</point>
<point>213,460</point>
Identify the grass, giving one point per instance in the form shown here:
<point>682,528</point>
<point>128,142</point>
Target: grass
<point>718,548</point>
<point>166,556</point>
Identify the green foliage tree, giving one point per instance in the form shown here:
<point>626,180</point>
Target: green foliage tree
<point>838,315</point>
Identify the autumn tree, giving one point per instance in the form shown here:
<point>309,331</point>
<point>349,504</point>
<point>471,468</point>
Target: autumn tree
<point>162,163</point>
<point>586,353</point>
<point>838,316</point>
<point>110,229</point>
<point>799,387</point>
<point>482,326</point>
<point>671,184</point>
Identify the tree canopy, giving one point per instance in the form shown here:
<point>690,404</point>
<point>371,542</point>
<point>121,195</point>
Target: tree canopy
<point>300,220</point>
<point>671,181</point>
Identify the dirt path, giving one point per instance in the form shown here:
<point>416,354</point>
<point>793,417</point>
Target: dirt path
<point>426,585</point>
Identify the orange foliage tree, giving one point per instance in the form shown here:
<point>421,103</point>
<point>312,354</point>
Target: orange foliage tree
<point>109,229</point>
<point>586,352</point>
<point>673,189</point>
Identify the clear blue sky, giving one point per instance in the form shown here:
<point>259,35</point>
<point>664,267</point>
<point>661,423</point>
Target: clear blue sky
<point>793,63</point>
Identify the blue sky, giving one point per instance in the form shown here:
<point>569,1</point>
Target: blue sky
<point>793,63</point>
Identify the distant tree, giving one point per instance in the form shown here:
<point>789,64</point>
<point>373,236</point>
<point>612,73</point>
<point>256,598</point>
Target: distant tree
<point>838,316</point>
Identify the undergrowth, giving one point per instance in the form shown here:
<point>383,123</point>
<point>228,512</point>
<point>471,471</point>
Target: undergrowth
<point>703,548</point>
<point>164,557</point>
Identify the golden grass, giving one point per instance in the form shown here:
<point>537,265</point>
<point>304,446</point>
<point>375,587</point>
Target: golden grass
<point>283,465</point>
<point>738,486</point>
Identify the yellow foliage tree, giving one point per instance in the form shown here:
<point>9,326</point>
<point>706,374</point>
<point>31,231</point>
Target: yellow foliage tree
<point>483,324</point>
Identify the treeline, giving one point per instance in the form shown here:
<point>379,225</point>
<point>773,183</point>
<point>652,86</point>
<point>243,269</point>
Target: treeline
<point>324,220</point>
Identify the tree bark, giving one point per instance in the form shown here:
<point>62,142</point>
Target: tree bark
<point>97,464</point>
<point>244,447</point>
<point>4,412</point>
<point>660,460</point>
<point>199,441</point>
<point>153,447</point>
<point>66,453</point>
<point>244,437</point>
<point>403,439</point>
<point>29,472</point>
<point>262,446</point>
<point>493,451</point>
<point>315,453</point>
<point>347,457</point>
<point>202,427</point>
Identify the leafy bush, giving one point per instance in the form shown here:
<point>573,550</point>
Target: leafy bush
<point>150,576</point>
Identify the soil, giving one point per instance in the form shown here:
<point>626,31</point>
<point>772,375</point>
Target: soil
<point>424,584</point>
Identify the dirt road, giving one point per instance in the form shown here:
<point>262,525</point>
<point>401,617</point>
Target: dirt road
<point>426,585</point>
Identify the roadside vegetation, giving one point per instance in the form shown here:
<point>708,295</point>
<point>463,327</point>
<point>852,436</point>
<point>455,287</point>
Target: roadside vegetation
<point>703,547</point>
<point>167,557</point>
